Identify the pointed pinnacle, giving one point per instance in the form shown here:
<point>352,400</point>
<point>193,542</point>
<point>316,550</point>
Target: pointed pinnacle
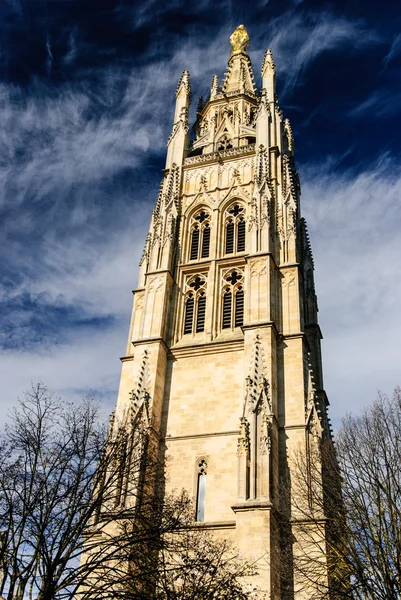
<point>200,105</point>
<point>214,87</point>
<point>268,62</point>
<point>184,81</point>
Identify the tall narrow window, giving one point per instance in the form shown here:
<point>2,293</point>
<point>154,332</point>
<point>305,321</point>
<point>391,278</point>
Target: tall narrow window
<point>230,238</point>
<point>194,244</point>
<point>201,491</point>
<point>235,224</point>
<point>189,315</point>
<point>205,241</point>
<point>200,316</point>
<point>241,235</point>
<point>226,310</point>
<point>239,308</point>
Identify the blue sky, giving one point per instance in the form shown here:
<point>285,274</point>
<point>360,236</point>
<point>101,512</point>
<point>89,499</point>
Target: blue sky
<point>87,91</point>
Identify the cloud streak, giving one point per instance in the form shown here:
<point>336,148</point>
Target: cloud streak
<point>354,221</point>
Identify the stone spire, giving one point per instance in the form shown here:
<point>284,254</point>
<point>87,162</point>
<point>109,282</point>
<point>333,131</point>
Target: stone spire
<point>179,138</point>
<point>269,76</point>
<point>239,76</point>
<point>183,95</point>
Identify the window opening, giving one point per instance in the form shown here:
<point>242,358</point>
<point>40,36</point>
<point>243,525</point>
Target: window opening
<point>230,237</point>
<point>205,242</point>
<point>201,491</point>
<point>194,244</point>
<point>189,314</point>
<point>239,307</point>
<point>236,210</point>
<point>197,283</point>
<point>200,237</point>
<point>200,317</point>
<point>241,235</point>
<point>233,300</point>
<point>227,309</point>
<point>235,229</point>
<point>202,216</point>
<point>234,277</point>
<point>195,305</point>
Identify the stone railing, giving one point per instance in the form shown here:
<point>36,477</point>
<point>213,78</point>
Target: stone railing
<point>202,158</point>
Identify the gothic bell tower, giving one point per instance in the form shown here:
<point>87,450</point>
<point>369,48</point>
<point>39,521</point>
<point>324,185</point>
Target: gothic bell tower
<point>224,342</point>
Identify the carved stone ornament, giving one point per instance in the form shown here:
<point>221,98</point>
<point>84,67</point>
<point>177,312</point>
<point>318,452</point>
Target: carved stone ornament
<point>265,438</point>
<point>239,40</point>
<point>139,396</point>
<point>258,268</point>
<point>155,284</point>
<point>243,440</point>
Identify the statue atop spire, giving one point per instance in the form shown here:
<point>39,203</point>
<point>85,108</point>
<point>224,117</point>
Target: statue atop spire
<point>239,76</point>
<point>239,40</point>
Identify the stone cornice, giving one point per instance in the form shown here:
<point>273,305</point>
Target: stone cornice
<point>194,436</point>
<point>150,340</point>
<point>214,347</point>
<point>262,325</point>
<point>215,525</point>
<point>252,505</point>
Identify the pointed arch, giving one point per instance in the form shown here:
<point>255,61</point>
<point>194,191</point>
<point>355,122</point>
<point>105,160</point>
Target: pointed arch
<point>234,220</point>
<point>195,304</point>
<point>199,232</point>
<point>232,299</point>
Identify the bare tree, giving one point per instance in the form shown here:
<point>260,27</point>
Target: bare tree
<point>80,515</point>
<point>346,519</point>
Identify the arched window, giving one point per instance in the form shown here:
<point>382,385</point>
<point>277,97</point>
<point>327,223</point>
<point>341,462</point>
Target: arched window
<point>230,237</point>
<point>205,241</point>
<point>201,490</point>
<point>200,236</point>
<point>235,229</point>
<point>195,305</point>
<point>233,300</point>
<point>227,301</point>
<point>241,235</point>
<point>239,308</point>
<point>201,312</point>
<point>189,314</point>
<point>194,243</point>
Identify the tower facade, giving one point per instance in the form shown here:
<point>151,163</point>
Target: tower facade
<point>224,341</point>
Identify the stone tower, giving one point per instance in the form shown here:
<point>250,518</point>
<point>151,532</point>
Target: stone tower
<point>224,341</point>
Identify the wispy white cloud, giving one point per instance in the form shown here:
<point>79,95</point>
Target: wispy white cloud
<point>395,49</point>
<point>381,103</point>
<point>89,362</point>
<point>298,38</point>
<point>354,221</point>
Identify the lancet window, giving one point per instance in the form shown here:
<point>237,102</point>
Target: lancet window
<point>195,305</point>
<point>233,299</point>
<point>201,489</point>
<point>235,229</point>
<point>200,236</point>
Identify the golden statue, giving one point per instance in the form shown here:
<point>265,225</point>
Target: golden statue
<point>239,40</point>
